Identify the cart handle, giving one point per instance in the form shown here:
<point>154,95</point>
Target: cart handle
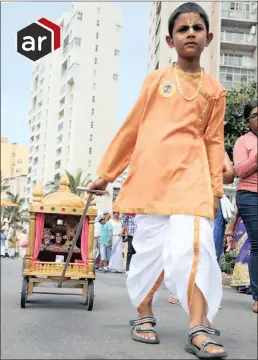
<point>79,228</point>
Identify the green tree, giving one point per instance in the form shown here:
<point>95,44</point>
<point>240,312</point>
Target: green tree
<point>236,125</point>
<point>16,215</point>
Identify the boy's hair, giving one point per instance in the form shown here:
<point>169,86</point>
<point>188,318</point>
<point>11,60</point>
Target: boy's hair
<point>189,7</point>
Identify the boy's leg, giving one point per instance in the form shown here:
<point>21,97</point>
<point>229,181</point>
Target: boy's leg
<point>192,271</point>
<point>147,267</point>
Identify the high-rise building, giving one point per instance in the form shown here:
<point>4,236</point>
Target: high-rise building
<point>232,55</point>
<point>74,96</point>
<point>14,159</point>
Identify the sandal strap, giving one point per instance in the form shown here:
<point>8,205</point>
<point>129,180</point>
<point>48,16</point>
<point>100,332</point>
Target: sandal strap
<point>143,320</point>
<point>207,342</point>
<point>141,329</point>
<point>202,330</point>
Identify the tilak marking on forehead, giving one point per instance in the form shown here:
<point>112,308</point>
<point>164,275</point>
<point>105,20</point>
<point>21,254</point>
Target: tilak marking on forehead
<point>190,24</point>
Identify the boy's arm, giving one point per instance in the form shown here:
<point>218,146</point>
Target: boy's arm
<point>214,143</point>
<point>119,152</point>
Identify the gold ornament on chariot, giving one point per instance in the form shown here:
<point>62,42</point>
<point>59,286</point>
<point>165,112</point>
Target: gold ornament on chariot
<point>167,89</point>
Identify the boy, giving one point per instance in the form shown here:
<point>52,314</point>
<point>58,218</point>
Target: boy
<point>105,242</point>
<point>171,139</point>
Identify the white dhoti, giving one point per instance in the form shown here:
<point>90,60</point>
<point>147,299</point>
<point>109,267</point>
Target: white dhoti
<point>179,251</point>
<point>22,252</point>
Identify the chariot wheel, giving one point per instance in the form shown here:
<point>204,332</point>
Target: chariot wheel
<point>24,292</point>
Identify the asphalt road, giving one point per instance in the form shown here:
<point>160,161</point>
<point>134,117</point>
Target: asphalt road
<point>60,327</point>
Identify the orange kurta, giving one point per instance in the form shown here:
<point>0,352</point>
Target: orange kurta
<point>175,148</point>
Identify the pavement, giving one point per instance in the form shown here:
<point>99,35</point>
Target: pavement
<point>60,327</point>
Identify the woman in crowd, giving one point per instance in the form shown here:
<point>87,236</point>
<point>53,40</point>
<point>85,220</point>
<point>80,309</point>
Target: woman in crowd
<point>100,221</point>
<point>238,234</point>
<point>23,243</point>
<point>116,260</point>
<point>245,160</point>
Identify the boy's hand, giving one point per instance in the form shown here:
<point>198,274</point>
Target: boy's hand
<point>216,206</point>
<point>98,184</point>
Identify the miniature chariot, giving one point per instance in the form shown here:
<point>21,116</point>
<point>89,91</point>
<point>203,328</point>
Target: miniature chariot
<point>54,219</point>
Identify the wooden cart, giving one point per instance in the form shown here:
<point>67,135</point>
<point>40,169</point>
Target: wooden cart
<point>58,214</point>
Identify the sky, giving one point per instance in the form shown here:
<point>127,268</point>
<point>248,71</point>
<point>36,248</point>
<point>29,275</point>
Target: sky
<point>16,70</point>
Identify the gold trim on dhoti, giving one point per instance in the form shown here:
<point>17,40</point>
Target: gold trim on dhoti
<point>151,293</point>
<point>191,282</point>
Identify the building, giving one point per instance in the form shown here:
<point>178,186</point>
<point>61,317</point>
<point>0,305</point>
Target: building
<point>232,55</point>
<point>74,96</point>
<point>14,159</point>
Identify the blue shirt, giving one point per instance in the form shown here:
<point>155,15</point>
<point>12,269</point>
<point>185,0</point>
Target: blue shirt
<point>105,235</point>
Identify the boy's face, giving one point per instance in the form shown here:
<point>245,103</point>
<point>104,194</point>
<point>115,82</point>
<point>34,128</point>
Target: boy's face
<point>189,36</point>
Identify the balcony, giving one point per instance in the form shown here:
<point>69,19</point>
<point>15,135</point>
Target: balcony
<point>235,61</point>
<point>237,41</point>
<point>238,17</point>
<point>69,75</point>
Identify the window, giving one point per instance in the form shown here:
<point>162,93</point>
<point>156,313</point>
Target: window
<point>61,114</point>
<point>64,67</point>
<point>91,137</point>
<point>94,86</point>
<point>118,28</point>
<point>117,52</point>
<point>79,16</point>
<point>94,72</point>
<point>229,77</point>
<point>97,22</point>
<point>92,111</point>
<point>97,35</point>
<point>19,161</point>
<point>91,124</point>
<point>96,48</point>
<point>78,41</point>
<point>93,98</point>
<point>98,10</point>
<point>115,77</point>
<point>90,150</point>
<point>89,163</point>
<point>66,41</point>
<point>60,127</point>
<point>18,171</point>
<point>95,61</point>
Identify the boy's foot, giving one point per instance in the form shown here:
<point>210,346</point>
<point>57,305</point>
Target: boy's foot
<point>202,346</point>
<point>255,307</point>
<point>105,269</point>
<point>141,333</point>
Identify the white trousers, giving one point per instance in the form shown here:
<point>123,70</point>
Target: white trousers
<point>178,250</point>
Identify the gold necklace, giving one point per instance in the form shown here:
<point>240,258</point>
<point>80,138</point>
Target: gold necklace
<point>180,88</point>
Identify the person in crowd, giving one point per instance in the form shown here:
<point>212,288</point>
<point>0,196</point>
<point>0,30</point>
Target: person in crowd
<point>3,240</point>
<point>99,222</point>
<point>169,152</point>
<point>129,229</point>
<point>238,236</point>
<point>220,223</point>
<point>12,245</point>
<point>106,243</point>
<point>116,260</point>
<point>23,243</point>
<point>245,161</point>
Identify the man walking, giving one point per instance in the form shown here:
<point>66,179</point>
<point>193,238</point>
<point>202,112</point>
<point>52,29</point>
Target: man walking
<point>130,228</point>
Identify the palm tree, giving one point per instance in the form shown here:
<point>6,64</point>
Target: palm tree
<point>75,182</point>
<point>4,185</point>
<point>16,215</point>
